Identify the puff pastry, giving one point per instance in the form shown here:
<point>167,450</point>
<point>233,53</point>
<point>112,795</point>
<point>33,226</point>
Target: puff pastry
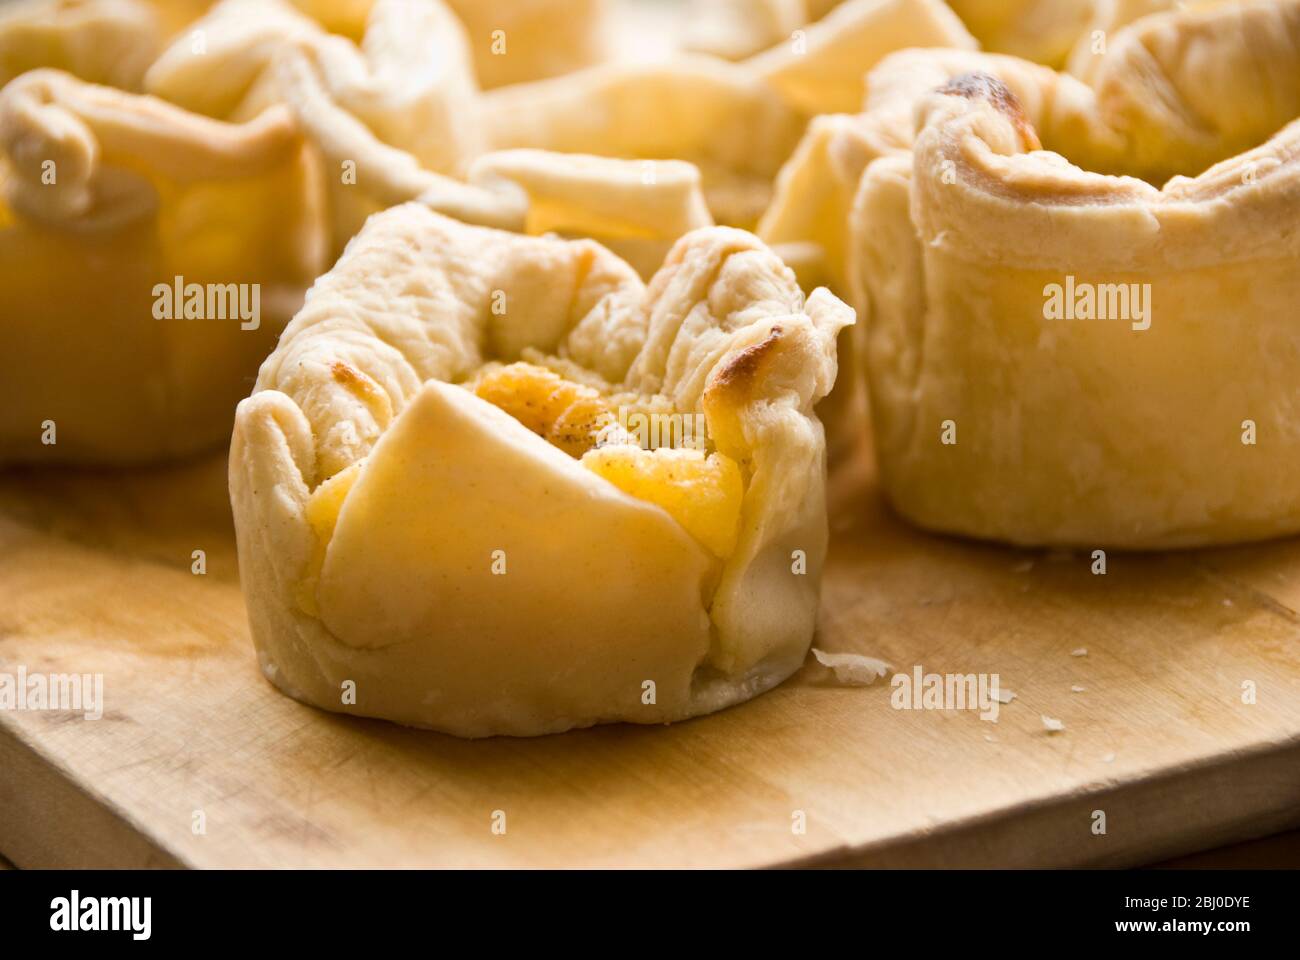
<point>823,68</point>
<point>440,496</point>
<point>636,207</point>
<point>1060,356</point>
<point>514,41</point>
<point>1120,122</point>
<point>737,122</point>
<point>402,95</point>
<point>409,79</point>
<point>392,117</point>
<point>718,116</point>
<point>102,41</point>
<point>105,197</point>
<point>736,29</point>
<point>1044,31</point>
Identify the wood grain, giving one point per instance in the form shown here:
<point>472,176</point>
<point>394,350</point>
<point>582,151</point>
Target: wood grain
<point>95,578</point>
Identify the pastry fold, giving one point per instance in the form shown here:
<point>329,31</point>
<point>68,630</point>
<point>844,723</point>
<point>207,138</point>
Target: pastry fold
<point>822,68</point>
<point>114,209</point>
<point>736,29</point>
<point>442,494</point>
<point>1172,92</point>
<point>718,116</point>
<point>1043,31</point>
<point>395,104</point>
<point>102,41</point>
<point>516,41</point>
<point>737,122</point>
<point>1069,357</point>
<point>393,116</point>
<point>409,78</point>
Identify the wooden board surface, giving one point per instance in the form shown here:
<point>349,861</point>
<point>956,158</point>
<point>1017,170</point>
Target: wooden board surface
<point>95,577</point>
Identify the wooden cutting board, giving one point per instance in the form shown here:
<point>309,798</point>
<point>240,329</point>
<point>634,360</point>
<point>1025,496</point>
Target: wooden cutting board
<point>95,577</point>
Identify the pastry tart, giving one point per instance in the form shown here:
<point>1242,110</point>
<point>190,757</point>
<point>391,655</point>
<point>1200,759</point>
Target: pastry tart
<point>1060,354</point>
<point>1113,114</point>
<point>148,258</point>
<point>454,507</point>
<point>1115,124</point>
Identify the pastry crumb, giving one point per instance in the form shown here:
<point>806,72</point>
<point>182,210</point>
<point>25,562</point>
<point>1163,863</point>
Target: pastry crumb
<point>853,669</point>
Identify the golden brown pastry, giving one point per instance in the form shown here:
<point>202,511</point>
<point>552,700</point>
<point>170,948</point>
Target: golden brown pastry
<point>1061,354</point>
<point>493,484</point>
<point>1116,124</point>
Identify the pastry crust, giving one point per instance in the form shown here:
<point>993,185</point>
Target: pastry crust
<point>517,41</point>
<point>1000,413</point>
<point>374,488</point>
<point>102,41</point>
<point>718,116</point>
<point>105,197</point>
<point>394,105</point>
<point>1147,113</point>
<point>823,68</point>
<point>737,122</point>
<point>1043,31</point>
<point>393,117</point>
<point>736,29</point>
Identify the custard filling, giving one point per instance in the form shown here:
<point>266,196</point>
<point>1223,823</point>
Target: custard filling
<point>701,490</point>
